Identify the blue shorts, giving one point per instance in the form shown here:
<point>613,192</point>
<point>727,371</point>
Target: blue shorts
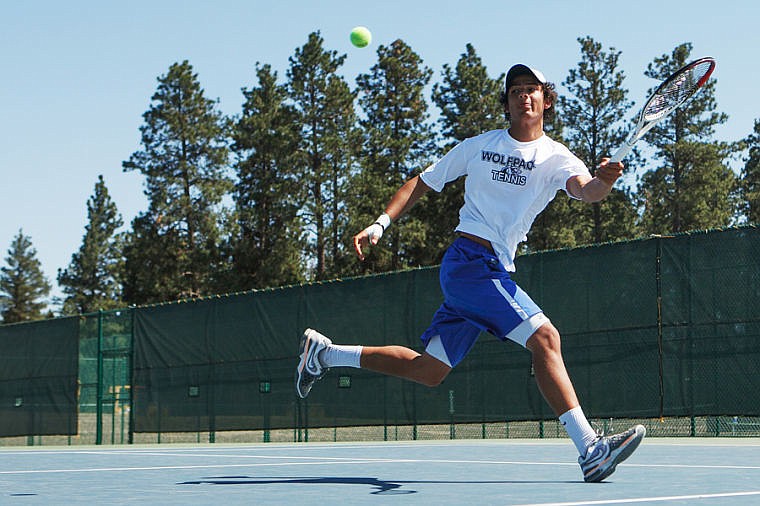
<point>479,296</point>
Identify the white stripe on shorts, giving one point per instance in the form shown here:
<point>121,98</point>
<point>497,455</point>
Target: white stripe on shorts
<point>522,332</point>
<point>436,350</point>
<point>530,324</point>
<point>512,302</point>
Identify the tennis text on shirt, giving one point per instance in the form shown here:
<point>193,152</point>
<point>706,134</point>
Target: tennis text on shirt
<point>510,167</point>
<point>508,183</point>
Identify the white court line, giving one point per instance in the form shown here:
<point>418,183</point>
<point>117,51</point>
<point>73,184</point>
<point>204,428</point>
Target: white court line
<point>647,499</point>
<point>690,466</point>
<point>161,468</point>
<point>307,460</point>
<point>429,461</point>
<point>268,447</point>
<point>319,446</point>
<point>433,461</point>
<point>351,459</point>
<point>303,461</point>
<point>206,455</point>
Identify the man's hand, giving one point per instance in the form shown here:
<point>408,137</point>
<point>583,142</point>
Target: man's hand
<point>594,189</point>
<point>400,203</point>
<point>369,235</point>
<point>609,172</point>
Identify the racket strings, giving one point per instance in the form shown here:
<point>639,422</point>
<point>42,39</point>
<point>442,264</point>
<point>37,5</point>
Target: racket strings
<point>677,90</point>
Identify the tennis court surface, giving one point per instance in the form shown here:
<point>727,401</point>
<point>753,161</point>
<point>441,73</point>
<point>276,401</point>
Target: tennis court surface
<point>501,472</point>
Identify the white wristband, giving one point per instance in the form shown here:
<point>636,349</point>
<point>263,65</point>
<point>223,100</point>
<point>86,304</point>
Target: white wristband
<point>384,221</point>
<point>375,231</point>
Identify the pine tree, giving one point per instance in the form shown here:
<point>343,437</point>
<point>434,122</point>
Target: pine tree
<point>468,99</point>
<point>173,250</point>
<point>152,262</point>
<point>343,152</point>
<point>593,115</point>
<point>692,176</point>
<point>92,280</point>
<point>398,142</point>
<point>469,103</point>
<point>325,106</point>
<point>268,237</point>
<point>750,179</point>
<point>23,286</point>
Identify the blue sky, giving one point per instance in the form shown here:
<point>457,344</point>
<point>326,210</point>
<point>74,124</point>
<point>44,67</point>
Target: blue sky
<point>78,75</point>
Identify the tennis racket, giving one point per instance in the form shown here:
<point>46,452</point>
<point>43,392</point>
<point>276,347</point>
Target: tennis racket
<point>675,91</point>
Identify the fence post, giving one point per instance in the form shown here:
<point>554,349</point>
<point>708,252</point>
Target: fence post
<point>99,392</point>
<point>130,430</point>
<point>452,427</point>
<point>658,281</point>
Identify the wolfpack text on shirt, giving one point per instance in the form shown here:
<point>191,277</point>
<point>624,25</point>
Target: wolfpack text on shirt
<point>508,183</point>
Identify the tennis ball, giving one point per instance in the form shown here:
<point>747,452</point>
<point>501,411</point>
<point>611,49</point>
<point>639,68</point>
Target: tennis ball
<point>361,36</point>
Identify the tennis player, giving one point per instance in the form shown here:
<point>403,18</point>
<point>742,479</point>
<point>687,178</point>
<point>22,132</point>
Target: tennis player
<point>511,175</point>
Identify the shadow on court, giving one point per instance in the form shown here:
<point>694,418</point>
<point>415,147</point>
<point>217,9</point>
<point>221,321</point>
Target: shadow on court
<point>379,486</point>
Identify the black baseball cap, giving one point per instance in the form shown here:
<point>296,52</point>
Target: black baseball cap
<point>519,70</point>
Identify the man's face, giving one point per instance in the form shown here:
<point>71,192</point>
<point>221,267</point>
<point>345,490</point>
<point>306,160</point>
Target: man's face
<point>525,98</point>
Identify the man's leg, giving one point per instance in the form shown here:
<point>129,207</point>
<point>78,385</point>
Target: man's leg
<point>404,363</point>
<point>318,354</point>
<point>599,456</point>
<point>549,368</point>
<point>556,387</point>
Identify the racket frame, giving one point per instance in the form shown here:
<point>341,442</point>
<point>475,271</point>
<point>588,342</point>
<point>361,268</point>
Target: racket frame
<point>643,126</point>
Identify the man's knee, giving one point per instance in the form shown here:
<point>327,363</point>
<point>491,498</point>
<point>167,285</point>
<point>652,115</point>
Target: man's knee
<point>432,380</point>
<point>432,371</point>
<point>544,340</point>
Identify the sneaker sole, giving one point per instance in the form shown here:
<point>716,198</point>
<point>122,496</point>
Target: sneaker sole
<point>304,349</point>
<point>628,449</point>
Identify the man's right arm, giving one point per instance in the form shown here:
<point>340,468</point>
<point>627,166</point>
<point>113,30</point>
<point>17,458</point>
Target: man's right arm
<point>400,203</point>
<point>594,189</point>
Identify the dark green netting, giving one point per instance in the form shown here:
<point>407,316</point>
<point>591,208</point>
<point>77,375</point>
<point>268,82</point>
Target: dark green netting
<point>38,378</point>
<point>667,326</point>
<point>657,327</point>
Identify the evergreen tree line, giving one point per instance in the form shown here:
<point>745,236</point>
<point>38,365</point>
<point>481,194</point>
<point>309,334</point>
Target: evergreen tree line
<point>272,196</point>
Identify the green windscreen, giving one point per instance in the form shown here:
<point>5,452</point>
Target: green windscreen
<point>659,327</point>
<point>650,328</point>
<point>38,377</point>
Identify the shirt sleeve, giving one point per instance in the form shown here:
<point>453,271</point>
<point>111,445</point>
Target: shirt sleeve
<point>449,167</point>
<point>570,166</point>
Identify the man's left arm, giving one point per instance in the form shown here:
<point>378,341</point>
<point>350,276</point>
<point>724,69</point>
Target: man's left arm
<point>594,189</point>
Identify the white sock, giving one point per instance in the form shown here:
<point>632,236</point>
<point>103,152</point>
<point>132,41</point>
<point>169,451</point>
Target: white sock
<point>578,429</point>
<point>337,355</point>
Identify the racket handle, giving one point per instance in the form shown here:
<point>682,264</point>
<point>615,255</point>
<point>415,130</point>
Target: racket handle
<point>620,153</point>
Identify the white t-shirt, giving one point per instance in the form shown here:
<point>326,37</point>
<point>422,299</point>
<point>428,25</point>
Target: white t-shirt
<point>508,183</point>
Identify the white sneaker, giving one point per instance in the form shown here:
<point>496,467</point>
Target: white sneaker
<point>309,368</point>
<point>608,451</point>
